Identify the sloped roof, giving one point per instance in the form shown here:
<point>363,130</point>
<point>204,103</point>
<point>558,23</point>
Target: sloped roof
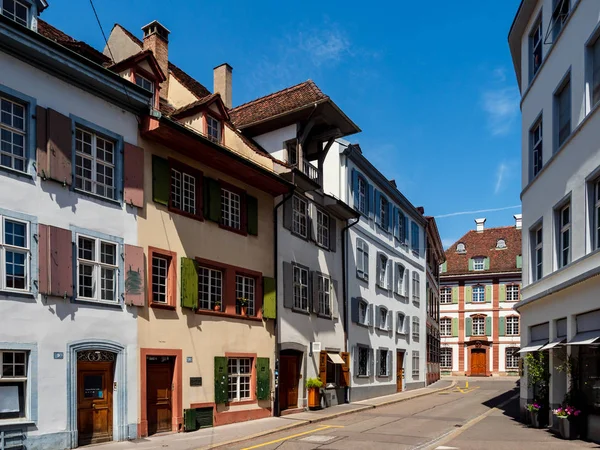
<point>134,59</point>
<point>286,100</point>
<point>484,244</point>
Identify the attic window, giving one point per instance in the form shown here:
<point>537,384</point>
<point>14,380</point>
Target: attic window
<point>213,129</point>
<point>460,248</point>
<point>144,82</point>
<point>501,243</point>
<point>15,11</point>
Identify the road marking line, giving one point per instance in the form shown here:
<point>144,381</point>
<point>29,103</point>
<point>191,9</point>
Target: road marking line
<point>466,390</point>
<point>325,427</point>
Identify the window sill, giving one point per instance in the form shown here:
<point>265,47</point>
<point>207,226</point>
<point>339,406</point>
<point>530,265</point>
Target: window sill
<point>198,217</point>
<point>163,306</point>
<point>364,278</point>
<point>301,311</point>
<point>325,316</point>
<point>233,230</point>
<point>89,301</point>
<point>98,197</point>
<point>241,402</point>
<point>208,312</point>
<point>363,376</point>
<point>18,293</point>
<point>14,422</point>
<point>383,376</point>
<point>17,173</point>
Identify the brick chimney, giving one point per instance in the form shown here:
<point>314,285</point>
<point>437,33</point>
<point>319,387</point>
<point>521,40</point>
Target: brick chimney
<point>222,82</point>
<point>518,221</point>
<point>480,224</point>
<point>156,39</point>
<point>421,209</point>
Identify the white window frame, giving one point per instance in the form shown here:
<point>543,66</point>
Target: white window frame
<point>324,287</point>
<point>231,209</point>
<point>183,191</point>
<point>366,373</point>
<point>383,317</point>
<point>446,295</point>
<point>22,380</point>
<point>323,228</point>
<point>363,319</point>
<point>594,85</point>
<point>535,45</point>
<point>478,323</point>
<point>97,267</point>
<point>362,195</point>
<point>362,259</point>
<point>478,264</point>
<point>537,239</point>
<point>14,16</point>
<point>399,280</point>
<point>95,162</point>
<point>146,84</point>
<point>416,325</point>
<point>300,289</point>
<point>299,216</point>
<point>446,358</point>
<point>5,248</point>
<point>160,287</point>
<point>386,360</point>
<point>213,129</point>
<point>211,292</point>
<point>537,147</point>
<point>15,131</point>
<point>512,326</point>
<point>240,378</point>
<point>416,287</point>
<point>596,237</point>
<point>245,287</point>
<point>564,226</point>
<point>563,112</point>
<point>512,292</point>
<point>510,354</point>
<point>558,19</point>
<point>383,211</point>
<point>446,327</point>
<point>400,323</point>
<point>479,296</point>
<point>416,361</point>
<point>382,260</point>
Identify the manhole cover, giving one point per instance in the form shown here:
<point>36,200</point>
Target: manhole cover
<point>318,438</point>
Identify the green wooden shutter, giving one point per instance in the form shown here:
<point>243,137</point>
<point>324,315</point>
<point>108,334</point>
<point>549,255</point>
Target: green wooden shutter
<point>468,326</point>
<point>161,180</point>
<point>486,264</point>
<point>519,261</point>
<point>488,326</point>
<point>470,264</point>
<point>212,200</point>
<point>468,294</point>
<point>221,380</point>
<point>502,326</point>
<point>189,284</point>
<point>454,327</point>
<point>252,215</point>
<point>455,294</point>
<point>444,267</point>
<point>263,379</point>
<point>488,294</point>
<point>502,290</point>
<point>269,298</point>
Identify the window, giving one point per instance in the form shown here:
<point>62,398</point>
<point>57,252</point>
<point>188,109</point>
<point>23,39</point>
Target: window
<point>562,103</point>
<point>213,129</point>
<point>13,135</point>
<point>239,371</point>
<point>564,241</point>
<point>363,312</point>
<point>416,287</point>
<point>478,263</point>
<point>231,209</point>
<point>415,328</point>
<point>210,288</point>
<point>245,287</point>
<point>402,228</point>
<point>596,236</point>
<point>446,326</point>
<point>400,323</point>
<point>501,244</point>
<point>184,195</point>
<point>96,266</point>
<point>15,254</point>
<point>446,295</point>
<point>292,152</point>
<point>362,259</point>
<point>595,88</point>
<point>383,211</point>
<point>16,10</point>
<point>560,15</point>
<point>300,288</point>
<point>13,384</point>
<point>362,195</point>
<point>363,361</point>
<point>512,292</point>
<point>324,292</point>
<point>382,270</point>
<point>478,294</point>
<point>512,326</point>
<point>535,47</point>
<point>415,237</point>
<point>383,362</point>
<point>160,268</point>
<point>322,229</point>
<point>478,326</point>
<point>400,281</point>
<point>512,358</point>
<point>299,219</point>
<point>536,239</point>
<point>415,363</point>
<point>446,358</point>
<point>460,248</point>
<point>144,82</point>
<point>95,158</point>
<point>383,318</point>
<point>537,155</point>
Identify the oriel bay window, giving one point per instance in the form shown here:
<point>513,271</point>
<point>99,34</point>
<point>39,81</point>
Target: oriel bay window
<point>97,269</point>
<point>15,254</point>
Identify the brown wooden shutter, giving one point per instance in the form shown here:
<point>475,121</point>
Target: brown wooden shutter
<point>56,261</point>
<point>346,368</point>
<point>323,367</point>
<point>134,276</point>
<point>133,186</point>
<point>60,143</point>
<point>41,137</point>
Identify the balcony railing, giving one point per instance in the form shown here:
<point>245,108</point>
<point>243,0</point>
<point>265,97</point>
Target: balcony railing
<point>311,172</point>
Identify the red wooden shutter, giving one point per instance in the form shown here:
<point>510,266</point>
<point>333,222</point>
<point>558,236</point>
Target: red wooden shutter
<point>56,261</point>
<point>41,137</point>
<point>346,368</point>
<point>323,367</point>
<point>44,257</point>
<point>134,276</point>
<point>134,175</point>
<point>60,149</point>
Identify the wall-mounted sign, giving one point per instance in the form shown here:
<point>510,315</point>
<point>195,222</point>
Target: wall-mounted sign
<point>189,359</point>
<point>195,381</point>
<point>59,355</point>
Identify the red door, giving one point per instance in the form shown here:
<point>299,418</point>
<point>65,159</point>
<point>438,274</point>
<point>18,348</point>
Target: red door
<point>478,362</point>
<point>159,393</point>
<point>289,378</point>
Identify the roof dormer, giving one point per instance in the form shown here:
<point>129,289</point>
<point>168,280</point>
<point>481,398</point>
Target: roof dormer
<point>460,248</point>
<point>23,12</point>
<point>207,116</point>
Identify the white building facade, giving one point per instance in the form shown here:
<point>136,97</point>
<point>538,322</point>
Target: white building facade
<point>556,53</point>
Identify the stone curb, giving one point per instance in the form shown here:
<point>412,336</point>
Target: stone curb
<point>323,418</point>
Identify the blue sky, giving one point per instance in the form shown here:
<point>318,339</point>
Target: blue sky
<point>430,83</point>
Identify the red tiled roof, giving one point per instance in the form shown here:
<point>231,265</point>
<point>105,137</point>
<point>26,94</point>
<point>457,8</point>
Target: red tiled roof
<point>50,32</point>
<point>286,100</point>
<point>484,244</point>
<point>195,104</point>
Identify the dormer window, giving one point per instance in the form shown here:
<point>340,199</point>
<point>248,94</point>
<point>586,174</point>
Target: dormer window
<point>16,11</point>
<point>501,244</point>
<point>213,129</point>
<point>460,248</point>
<point>478,263</point>
<point>144,82</point>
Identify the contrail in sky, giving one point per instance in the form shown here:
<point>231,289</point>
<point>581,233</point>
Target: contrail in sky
<point>463,213</point>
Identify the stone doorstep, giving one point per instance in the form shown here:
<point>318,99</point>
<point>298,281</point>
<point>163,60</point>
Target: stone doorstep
<point>322,417</point>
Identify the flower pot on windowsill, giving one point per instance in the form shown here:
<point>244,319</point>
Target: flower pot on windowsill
<point>567,429</point>
<point>217,307</point>
<point>244,310</point>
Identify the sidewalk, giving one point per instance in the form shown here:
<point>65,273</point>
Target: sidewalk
<point>228,434</point>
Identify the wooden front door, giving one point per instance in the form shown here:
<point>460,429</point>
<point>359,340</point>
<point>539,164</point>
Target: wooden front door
<point>159,401</point>
<point>289,378</point>
<point>478,362</point>
<point>399,370</point>
<point>94,402</point>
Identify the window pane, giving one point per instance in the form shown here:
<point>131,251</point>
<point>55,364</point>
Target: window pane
<point>16,270</point>
<point>230,209</point>
<point>87,249</point>
<point>108,253</point>
<point>107,281</point>
<point>159,279</point>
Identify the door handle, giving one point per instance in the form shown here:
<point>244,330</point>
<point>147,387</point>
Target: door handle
<point>93,406</point>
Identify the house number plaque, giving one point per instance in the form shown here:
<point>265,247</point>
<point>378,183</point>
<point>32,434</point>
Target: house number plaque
<point>195,381</point>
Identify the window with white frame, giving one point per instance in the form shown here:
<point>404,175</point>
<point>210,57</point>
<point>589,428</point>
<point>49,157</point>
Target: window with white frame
<point>300,288</point>
<point>478,263</point>
<point>144,82</point>
<point>299,213</point>
<point>13,384</point>
<point>537,148</point>
<point>382,270</point>
<point>231,207</point>
<point>96,269</point>
<point>512,292</point>
<point>384,370</point>
<point>95,159</point>
<point>383,211</point>
<point>595,60</point>
<point>478,326</point>
<point>15,254</point>
<point>460,248</point>
<point>213,129</point>
<point>16,10</point>
<point>564,243</point>
<point>322,229</point>
<point>500,244</point>
<point>446,358</point>
<point>239,371</point>
<point>400,323</point>
<point>535,48</point>
<point>478,294</point>
<point>596,203</point>
<point>362,195</point>
<point>416,287</point>
<point>292,152</point>
<point>13,135</point>
<point>362,259</point>
<point>562,104</point>
<point>183,191</point>
<point>446,326</point>
<point>537,260</point>
<point>383,318</point>
<point>512,358</point>
<point>560,14</point>
<point>160,272</point>
<point>324,293</point>
<point>210,288</point>
<point>415,328</point>
<point>399,281</point>
<point>363,361</point>
<point>363,312</point>
<point>415,363</point>
<point>446,295</point>
<point>512,326</point>
<point>245,288</point>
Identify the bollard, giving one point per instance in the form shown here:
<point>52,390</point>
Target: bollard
<point>466,385</point>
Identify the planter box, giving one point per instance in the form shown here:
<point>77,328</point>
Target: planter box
<point>534,419</point>
<point>567,429</point>
<point>314,398</point>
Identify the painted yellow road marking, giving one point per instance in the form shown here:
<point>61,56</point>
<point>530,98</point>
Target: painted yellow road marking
<point>324,427</point>
<point>466,390</point>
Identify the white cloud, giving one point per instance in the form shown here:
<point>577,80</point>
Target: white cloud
<point>464,213</point>
<point>502,168</point>
<point>502,108</point>
<point>324,46</point>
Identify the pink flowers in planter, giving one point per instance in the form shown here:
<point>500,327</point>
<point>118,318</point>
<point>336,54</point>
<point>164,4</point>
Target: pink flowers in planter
<point>566,412</point>
<point>533,407</point>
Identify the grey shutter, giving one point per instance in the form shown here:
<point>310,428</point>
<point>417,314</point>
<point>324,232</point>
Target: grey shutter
<point>315,292</point>
<point>354,309</point>
<point>371,362</point>
<point>390,361</point>
<point>377,365</point>
<point>390,319</point>
<point>390,274</point>
<point>377,310</point>
<point>334,299</point>
<point>332,234</point>
<point>355,359</point>
<point>312,221</point>
<point>407,327</point>
<point>377,269</point>
<point>370,317</point>
<point>287,213</point>
<point>288,285</point>
<point>406,282</point>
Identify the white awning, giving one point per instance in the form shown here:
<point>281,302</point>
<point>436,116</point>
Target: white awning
<point>555,343</point>
<point>587,338</point>
<point>335,358</point>
<point>533,346</point>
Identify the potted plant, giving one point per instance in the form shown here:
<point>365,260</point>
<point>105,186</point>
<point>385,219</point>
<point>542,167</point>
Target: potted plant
<point>534,409</point>
<point>217,306</point>
<point>243,302</point>
<point>538,378</point>
<point>566,424</point>
<point>314,396</point>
